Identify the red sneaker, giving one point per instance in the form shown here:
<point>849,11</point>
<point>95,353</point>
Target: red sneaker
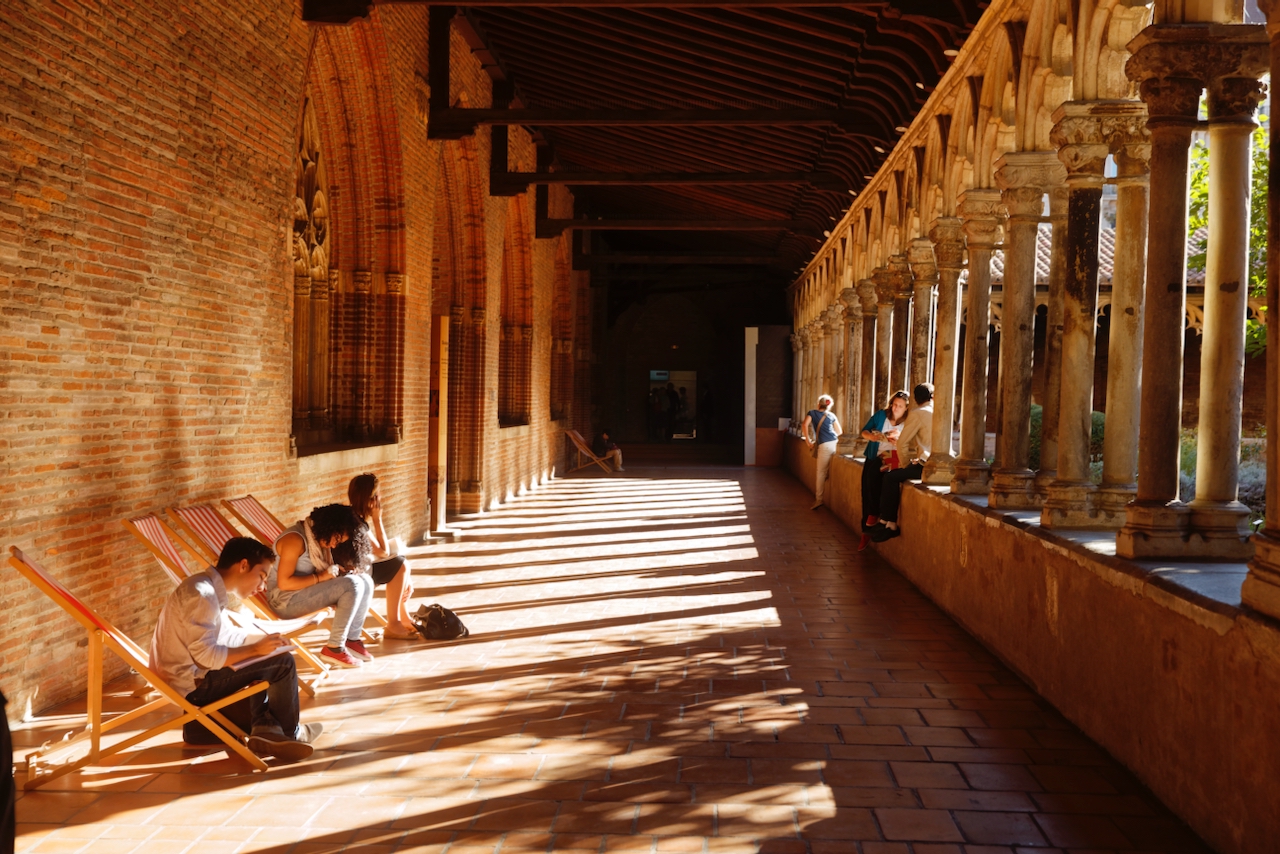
<point>338,657</point>
<point>864,542</point>
<point>356,648</point>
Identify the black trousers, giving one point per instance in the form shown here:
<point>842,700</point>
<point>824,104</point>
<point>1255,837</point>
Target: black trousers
<point>277,707</point>
<point>872,482</point>
<point>385,570</point>
<point>891,493</point>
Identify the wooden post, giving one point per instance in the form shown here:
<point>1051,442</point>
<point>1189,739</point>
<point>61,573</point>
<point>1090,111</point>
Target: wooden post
<point>438,441</point>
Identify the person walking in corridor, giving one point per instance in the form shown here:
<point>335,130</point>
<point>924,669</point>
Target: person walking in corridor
<point>826,430</point>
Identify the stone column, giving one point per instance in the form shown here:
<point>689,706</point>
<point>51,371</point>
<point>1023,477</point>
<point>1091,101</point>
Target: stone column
<point>852,317</point>
<point>1262,585</point>
<point>1050,412</point>
<point>924,270</point>
<point>900,275</point>
<point>834,347</point>
<point>1084,133</point>
<point>818,335</point>
<point>947,236</point>
<point>1171,62</point>
<point>797,372</point>
<point>1124,350</point>
<point>884,334</point>
<point>1217,517</point>
<point>870,393</point>
<point>983,217</point>
<point>806,378</point>
<point>1023,178</point>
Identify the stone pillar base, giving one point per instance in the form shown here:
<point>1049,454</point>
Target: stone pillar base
<point>972,477</point>
<point>1014,490</point>
<point>1045,479</point>
<point>1261,589</point>
<point>1069,504</point>
<point>1220,529</point>
<point>1112,501</point>
<point>848,443</point>
<point>939,469</point>
<point>1154,530</point>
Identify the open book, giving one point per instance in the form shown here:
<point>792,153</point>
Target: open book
<point>284,647</point>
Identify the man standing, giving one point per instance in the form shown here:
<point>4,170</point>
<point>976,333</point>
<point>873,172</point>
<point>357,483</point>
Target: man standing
<point>915,443</point>
<point>205,658</point>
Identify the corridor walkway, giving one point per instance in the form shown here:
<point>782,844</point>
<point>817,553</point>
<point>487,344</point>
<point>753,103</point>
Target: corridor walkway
<point>671,660</point>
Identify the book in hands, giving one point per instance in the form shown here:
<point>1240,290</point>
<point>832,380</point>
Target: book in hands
<point>283,647</point>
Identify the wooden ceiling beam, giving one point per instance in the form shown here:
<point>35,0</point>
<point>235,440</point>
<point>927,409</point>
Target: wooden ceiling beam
<point>348,11</point>
<point>658,259</point>
<point>459,122</point>
<point>549,228</point>
<point>821,180</point>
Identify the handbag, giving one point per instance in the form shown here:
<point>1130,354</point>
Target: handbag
<point>817,431</point>
<point>436,622</point>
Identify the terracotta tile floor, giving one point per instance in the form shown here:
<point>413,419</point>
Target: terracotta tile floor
<point>675,660</point>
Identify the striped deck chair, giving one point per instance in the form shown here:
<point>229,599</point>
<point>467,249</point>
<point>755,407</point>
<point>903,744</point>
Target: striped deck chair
<point>42,765</point>
<point>205,532</point>
<point>263,524</point>
<point>584,450</point>
<point>258,519</point>
<point>158,538</point>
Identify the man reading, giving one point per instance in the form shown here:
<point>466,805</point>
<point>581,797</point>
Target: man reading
<point>205,657</point>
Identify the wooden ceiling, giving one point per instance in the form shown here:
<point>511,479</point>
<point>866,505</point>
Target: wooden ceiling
<point>695,132</point>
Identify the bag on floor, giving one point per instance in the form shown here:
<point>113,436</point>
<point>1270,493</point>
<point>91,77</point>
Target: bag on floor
<point>436,622</point>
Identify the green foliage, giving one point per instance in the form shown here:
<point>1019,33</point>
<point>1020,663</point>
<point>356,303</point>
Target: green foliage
<point>1187,452</point>
<point>1097,425</point>
<point>1255,333</point>
<point>1096,434</point>
<point>1037,419</point>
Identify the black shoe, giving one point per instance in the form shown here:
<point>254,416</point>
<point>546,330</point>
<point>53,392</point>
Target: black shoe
<point>880,533</point>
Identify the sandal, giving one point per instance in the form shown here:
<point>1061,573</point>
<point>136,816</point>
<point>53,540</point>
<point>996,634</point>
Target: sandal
<point>397,634</point>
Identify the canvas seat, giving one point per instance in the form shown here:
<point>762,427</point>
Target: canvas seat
<point>584,450</point>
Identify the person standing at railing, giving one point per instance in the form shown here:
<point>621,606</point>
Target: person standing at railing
<point>826,431</point>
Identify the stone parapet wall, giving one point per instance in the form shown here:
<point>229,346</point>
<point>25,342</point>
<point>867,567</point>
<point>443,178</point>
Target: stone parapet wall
<point>1182,690</point>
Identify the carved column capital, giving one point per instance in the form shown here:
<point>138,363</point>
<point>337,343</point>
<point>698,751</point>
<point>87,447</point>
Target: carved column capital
<point>395,283</point>
<point>1024,177</point>
<point>1171,63</point>
<point>834,317</point>
<point>457,315</point>
<point>900,273</point>
<point>363,281</point>
<point>983,215</point>
<point>852,304</point>
<point>867,294</point>
<point>924,266</point>
<point>477,320</point>
<point>1085,132</point>
<point>796,343</point>
<point>883,280</point>
<point>1235,98</point>
<point>947,235</point>
<point>301,284</point>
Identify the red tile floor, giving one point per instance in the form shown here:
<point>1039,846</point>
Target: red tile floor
<point>671,660</point>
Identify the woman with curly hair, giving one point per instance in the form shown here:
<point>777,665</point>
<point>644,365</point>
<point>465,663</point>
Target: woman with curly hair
<point>307,578</point>
<point>376,554</point>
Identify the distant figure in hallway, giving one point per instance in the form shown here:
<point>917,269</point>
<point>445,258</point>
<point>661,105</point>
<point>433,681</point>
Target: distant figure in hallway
<point>915,443</point>
<point>672,411</point>
<point>826,430</point>
<point>605,448</point>
<point>880,431</point>
<point>706,410</point>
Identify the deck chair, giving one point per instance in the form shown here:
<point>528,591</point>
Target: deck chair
<point>205,532</point>
<point>103,635</point>
<point>259,520</point>
<point>159,539</point>
<point>263,524</point>
<point>584,450</point>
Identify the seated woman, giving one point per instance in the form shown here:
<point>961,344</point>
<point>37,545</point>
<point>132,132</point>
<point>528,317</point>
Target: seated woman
<point>307,579</point>
<point>376,554</point>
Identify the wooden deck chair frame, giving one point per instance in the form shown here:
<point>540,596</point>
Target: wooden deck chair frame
<point>202,550</point>
<point>584,450</point>
<point>103,635</point>
<point>253,518</point>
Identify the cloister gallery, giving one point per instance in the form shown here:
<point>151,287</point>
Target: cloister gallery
<point>252,249</point>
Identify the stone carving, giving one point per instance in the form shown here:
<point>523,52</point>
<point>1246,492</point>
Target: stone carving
<point>310,205</point>
<point>1235,97</point>
<point>884,282</point>
<point>867,294</point>
<point>1172,63</point>
<point>1086,132</point>
<point>947,235</point>
<point>395,283</point>
<point>983,214</point>
<point>1034,169</point>
<point>900,275</point>
<point>851,302</point>
<point>924,267</point>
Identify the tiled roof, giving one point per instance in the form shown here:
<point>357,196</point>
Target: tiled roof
<point>1106,256</point>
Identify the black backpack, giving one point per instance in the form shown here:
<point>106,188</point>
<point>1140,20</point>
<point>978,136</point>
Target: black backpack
<point>436,622</point>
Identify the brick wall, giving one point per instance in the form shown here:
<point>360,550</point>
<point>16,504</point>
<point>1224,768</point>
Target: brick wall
<point>146,187</point>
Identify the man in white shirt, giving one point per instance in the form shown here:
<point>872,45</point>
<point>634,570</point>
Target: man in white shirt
<point>204,657</point>
<point>915,443</point>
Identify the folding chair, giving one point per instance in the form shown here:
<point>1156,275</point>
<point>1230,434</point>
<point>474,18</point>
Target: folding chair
<point>258,519</point>
<point>266,527</point>
<point>40,768</point>
<point>205,533</point>
<point>584,450</point>
<point>158,539</point>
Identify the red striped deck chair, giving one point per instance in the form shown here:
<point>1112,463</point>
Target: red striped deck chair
<point>263,524</point>
<point>205,533</point>
<point>258,519</point>
<point>42,765</point>
<point>159,540</point>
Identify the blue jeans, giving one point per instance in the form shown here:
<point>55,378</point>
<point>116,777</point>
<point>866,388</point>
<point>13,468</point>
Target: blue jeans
<point>350,596</point>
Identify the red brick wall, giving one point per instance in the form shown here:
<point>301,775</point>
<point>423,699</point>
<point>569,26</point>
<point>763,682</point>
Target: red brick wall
<point>146,187</point>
